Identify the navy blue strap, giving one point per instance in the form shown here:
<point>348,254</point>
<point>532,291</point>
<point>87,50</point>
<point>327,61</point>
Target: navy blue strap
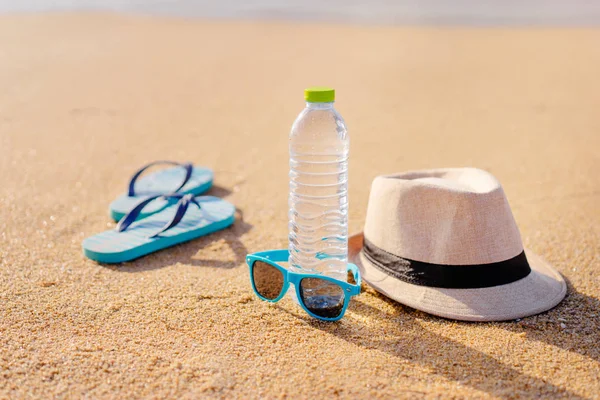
<point>182,206</point>
<point>189,168</point>
<point>132,215</point>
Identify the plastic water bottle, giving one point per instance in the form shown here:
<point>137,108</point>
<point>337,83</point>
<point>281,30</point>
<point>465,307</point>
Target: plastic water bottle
<point>318,215</point>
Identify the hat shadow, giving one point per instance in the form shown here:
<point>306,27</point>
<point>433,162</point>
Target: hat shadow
<point>229,250</point>
<point>578,333</point>
<point>416,344</point>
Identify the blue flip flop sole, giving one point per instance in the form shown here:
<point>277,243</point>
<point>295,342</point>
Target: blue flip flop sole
<point>116,247</point>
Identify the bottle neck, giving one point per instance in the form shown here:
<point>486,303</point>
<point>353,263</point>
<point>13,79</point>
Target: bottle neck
<point>319,106</point>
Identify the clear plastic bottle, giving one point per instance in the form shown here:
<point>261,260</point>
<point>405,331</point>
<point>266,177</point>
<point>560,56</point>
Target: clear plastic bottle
<point>318,202</point>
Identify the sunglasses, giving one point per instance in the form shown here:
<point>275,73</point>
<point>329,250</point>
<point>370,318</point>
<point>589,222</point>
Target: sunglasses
<point>321,296</point>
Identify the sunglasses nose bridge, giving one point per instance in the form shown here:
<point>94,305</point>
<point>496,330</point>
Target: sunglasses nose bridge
<point>294,278</point>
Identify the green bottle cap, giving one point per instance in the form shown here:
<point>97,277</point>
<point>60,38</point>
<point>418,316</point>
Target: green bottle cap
<point>319,94</point>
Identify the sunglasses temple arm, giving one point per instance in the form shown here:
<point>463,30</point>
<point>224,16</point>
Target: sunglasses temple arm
<point>274,255</point>
<point>357,278</point>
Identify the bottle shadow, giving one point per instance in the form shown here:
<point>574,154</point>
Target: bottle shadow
<point>226,245</point>
<point>401,334</point>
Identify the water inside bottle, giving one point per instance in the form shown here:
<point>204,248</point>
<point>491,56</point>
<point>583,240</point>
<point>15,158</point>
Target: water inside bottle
<point>318,213</point>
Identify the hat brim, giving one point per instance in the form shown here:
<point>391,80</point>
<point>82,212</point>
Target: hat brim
<point>539,291</point>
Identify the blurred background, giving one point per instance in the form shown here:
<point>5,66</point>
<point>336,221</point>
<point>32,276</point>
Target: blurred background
<point>469,12</point>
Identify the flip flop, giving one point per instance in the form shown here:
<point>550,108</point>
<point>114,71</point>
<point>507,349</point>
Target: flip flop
<point>182,178</point>
<point>176,223</point>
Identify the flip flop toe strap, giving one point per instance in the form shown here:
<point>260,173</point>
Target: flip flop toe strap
<point>189,169</point>
<point>182,207</point>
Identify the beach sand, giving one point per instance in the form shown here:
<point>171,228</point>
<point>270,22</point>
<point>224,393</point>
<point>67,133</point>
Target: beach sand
<point>87,99</point>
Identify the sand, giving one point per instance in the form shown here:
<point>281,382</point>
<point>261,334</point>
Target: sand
<point>87,99</point>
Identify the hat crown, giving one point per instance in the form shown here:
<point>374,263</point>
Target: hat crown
<point>454,216</point>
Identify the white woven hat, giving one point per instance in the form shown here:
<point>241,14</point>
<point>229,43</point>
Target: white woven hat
<point>445,242</point>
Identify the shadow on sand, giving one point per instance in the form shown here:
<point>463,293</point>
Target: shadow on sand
<point>580,316</point>
<point>406,338</point>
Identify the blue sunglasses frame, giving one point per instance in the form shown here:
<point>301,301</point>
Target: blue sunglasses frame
<point>272,257</point>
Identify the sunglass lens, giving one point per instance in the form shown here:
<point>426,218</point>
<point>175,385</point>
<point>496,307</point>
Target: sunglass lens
<point>321,297</point>
<point>268,280</point>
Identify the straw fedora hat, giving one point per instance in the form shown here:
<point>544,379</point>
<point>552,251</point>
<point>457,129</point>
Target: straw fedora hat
<point>444,241</point>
